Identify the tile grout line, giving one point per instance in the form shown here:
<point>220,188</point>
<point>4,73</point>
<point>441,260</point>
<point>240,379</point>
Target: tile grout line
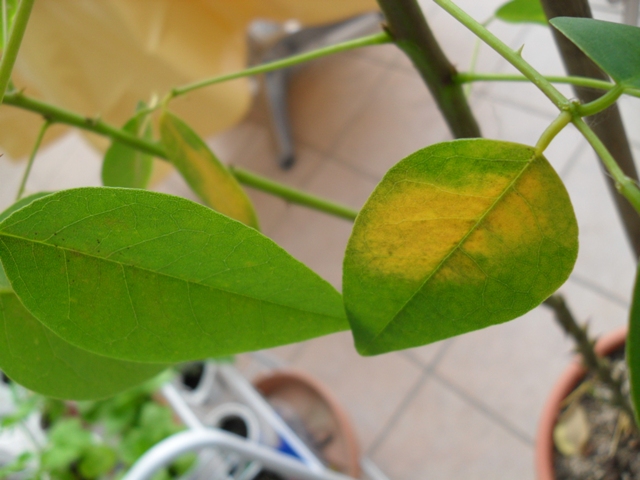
<point>342,162</point>
<point>522,107</point>
<point>484,409</point>
<point>372,60</point>
<point>295,356</point>
<point>244,148</point>
<point>573,161</point>
<point>427,371</point>
<point>399,411</point>
<point>384,75</point>
<point>594,287</point>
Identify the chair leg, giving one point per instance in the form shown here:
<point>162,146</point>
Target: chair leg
<point>276,85</point>
<point>630,15</point>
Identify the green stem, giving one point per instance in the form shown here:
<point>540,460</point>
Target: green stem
<point>634,92</point>
<point>514,58</point>
<point>5,22</point>
<point>376,39</point>
<point>469,77</point>
<point>552,130</point>
<point>292,195</point>
<point>32,157</point>
<point>625,185</point>
<point>601,103</point>
<point>59,115</point>
<point>474,57</point>
<point>607,125</point>
<point>13,45</point>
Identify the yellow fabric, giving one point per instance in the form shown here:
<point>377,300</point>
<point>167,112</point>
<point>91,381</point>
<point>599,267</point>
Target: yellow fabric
<point>99,57</point>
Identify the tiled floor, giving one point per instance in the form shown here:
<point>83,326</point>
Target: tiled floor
<point>465,408</point>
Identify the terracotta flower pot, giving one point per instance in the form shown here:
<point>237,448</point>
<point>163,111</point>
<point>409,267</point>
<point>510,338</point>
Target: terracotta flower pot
<point>564,386</point>
<point>319,412</point>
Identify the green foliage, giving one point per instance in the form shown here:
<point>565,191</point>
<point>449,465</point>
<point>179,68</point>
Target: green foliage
<point>155,424</point>
<point>96,439</point>
<point>22,203</point>
<point>143,276</point>
<point>68,440</point>
<point>35,357</point>
<point>202,170</point>
<point>16,466</point>
<point>135,422</point>
<point>522,11</point>
<point>614,47</point>
<point>457,236</point>
<point>125,166</point>
<point>24,409</point>
<point>5,286</point>
<point>119,414</point>
<point>97,460</point>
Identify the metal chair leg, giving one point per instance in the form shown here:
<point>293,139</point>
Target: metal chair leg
<point>276,83</point>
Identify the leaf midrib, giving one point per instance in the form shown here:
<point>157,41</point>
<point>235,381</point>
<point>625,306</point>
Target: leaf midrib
<point>66,249</point>
<point>455,248</point>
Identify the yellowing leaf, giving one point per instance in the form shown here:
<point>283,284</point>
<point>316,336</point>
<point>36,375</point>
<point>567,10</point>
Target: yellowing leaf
<point>204,173</point>
<point>458,236</point>
<point>572,431</point>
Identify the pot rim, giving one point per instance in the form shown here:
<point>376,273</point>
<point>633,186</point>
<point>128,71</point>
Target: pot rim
<point>270,382</point>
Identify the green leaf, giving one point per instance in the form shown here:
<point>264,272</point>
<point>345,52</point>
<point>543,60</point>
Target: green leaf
<point>206,175</point>
<point>633,349</point>
<point>97,460</point>
<point>522,11</point>
<point>614,47</point>
<point>456,237</point>
<point>118,414</point>
<point>127,167</point>
<point>156,423</point>
<point>33,356</point>
<point>149,277</point>
<point>36,358</point>
<point>5,286</point>
<point>67,441</point>
<point>22,203</point>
